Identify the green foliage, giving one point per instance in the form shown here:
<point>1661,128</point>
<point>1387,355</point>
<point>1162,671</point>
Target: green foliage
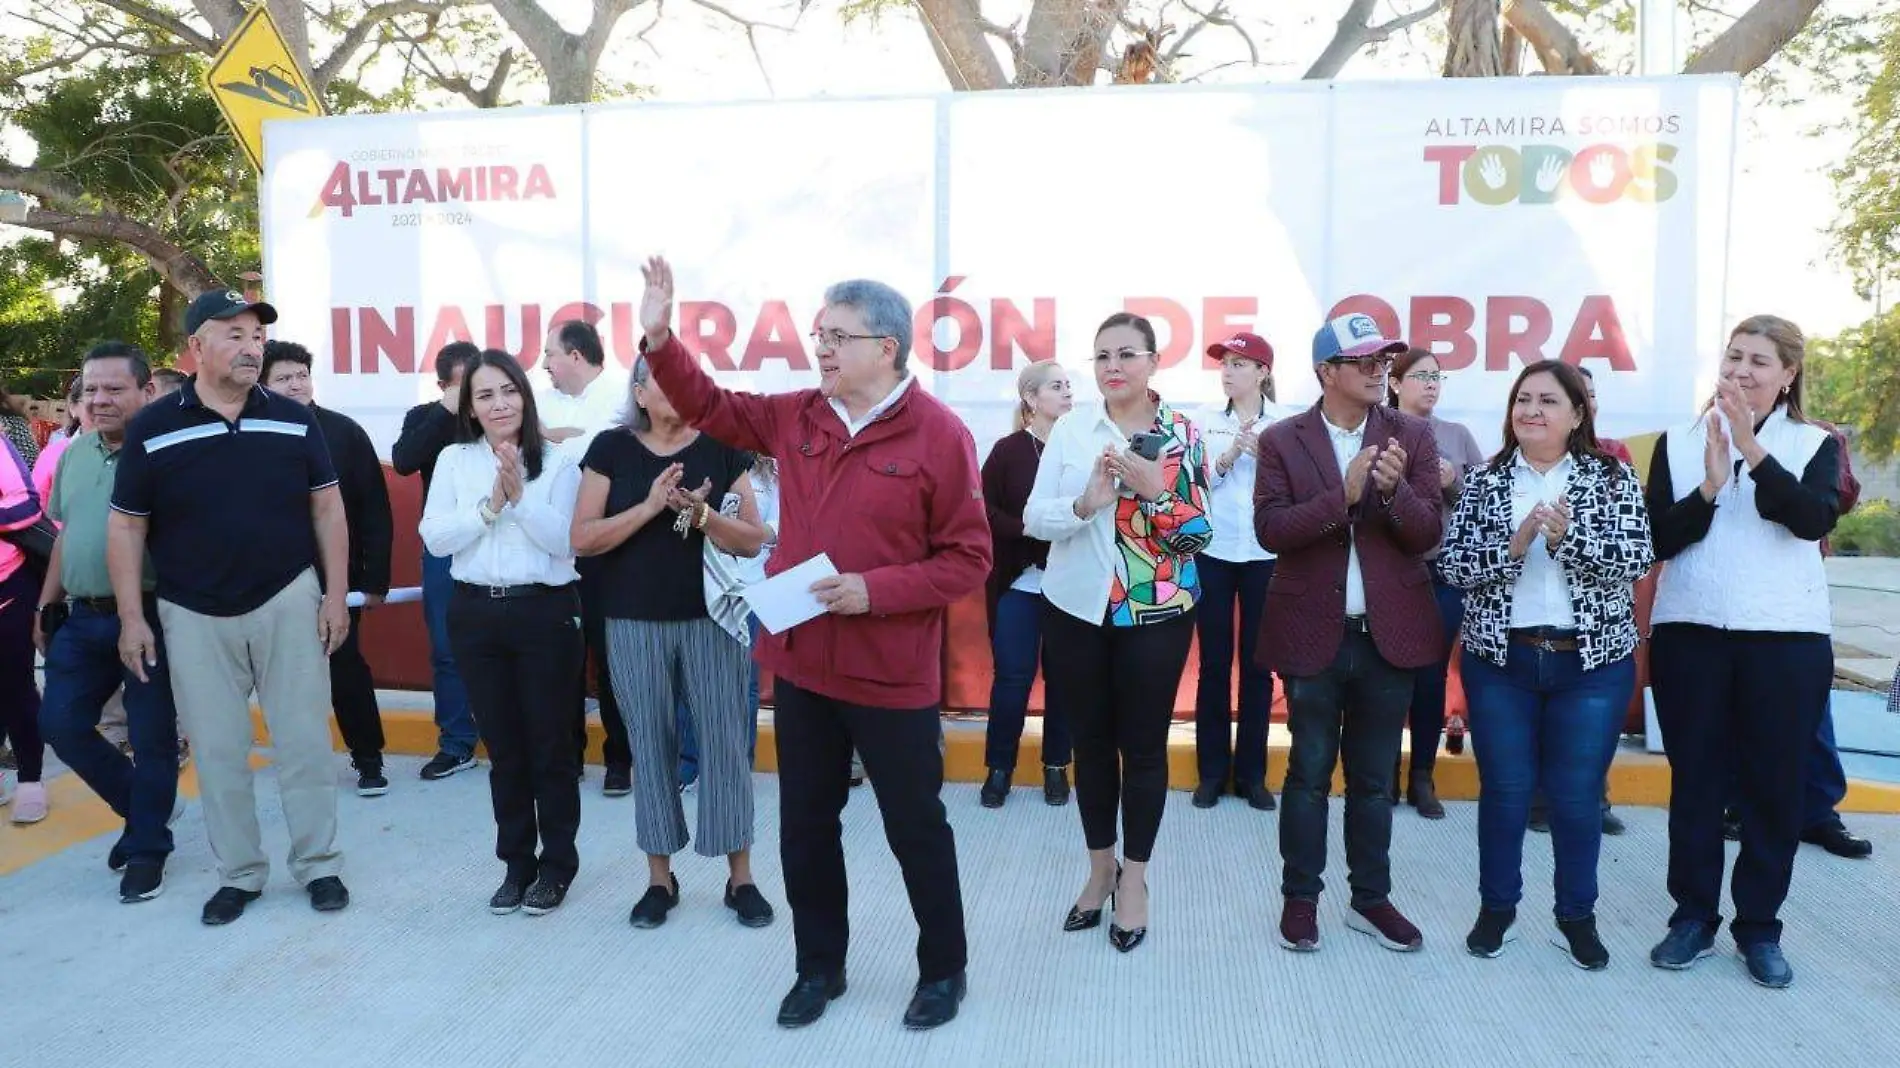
<point>1873,529</point>
<point>1854,381</point>
<point>1868,233</point>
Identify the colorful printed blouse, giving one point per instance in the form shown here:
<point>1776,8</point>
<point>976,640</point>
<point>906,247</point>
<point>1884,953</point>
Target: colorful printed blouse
<point>1156,575</point>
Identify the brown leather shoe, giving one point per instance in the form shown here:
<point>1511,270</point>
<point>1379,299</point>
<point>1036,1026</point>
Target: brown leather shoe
<point>1299,925</point>
<point>1422,794</point>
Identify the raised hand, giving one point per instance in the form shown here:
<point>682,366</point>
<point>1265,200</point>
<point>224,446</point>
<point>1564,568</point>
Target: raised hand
<point>656,306</point>
<point>1144,477</point>
<point>1528,530</point>
<point>1715,466</point>
<point>1100,492</point>
<point>665,484</point>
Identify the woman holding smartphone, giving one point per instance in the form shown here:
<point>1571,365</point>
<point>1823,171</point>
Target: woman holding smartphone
<point>1121,498</point>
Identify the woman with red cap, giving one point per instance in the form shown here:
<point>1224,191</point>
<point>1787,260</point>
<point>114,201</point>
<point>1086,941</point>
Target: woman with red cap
<point>1234,568</point>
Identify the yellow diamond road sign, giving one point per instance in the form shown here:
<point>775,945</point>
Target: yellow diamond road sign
<point>254,79</point>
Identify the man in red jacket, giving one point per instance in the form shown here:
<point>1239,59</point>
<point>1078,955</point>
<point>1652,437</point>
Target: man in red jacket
<point>1347,495</point>
<point>880,476</point>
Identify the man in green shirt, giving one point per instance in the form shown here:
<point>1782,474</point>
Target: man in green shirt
<point>78,630</point>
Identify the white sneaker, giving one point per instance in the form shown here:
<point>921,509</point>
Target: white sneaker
<point>29,803</point>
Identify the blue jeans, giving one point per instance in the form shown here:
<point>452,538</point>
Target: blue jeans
<point>1223,583</point>
<point>1428,683</point>
<point>82,671</point>
<point>455,724</point>
<point>1017,650</point>
<point>1543,720</point>
<point>689,741</point>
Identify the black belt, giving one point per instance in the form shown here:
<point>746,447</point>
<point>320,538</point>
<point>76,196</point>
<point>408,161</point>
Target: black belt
<point>504,593</point>
<point>1358,625</point>
<point>106,606</point>
<point>1548,639</point>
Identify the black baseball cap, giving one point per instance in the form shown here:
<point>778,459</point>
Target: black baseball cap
<point>223,304</point>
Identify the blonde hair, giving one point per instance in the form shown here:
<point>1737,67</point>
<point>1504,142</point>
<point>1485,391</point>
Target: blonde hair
<point>1790,344</point>
<point>1028,381</point>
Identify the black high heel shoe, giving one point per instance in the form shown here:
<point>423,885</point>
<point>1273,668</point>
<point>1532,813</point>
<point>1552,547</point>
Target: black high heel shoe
<point>1123,938</point>
<point>1083,920</point>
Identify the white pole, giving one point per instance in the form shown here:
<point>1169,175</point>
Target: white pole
<point>1658,46</point>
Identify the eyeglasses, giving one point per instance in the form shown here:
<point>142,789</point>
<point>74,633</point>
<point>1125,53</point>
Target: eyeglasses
<point>834,338</point>
<point>1430,378</point>
<point>1366,365</point>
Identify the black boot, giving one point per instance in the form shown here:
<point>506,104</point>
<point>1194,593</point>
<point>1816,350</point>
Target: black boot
<point>995,788</point>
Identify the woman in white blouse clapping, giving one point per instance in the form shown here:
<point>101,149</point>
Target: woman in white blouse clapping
<point>500,506</point>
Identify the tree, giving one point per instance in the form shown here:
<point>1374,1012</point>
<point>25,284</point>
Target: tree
<point>1070,42</point>
<point>1851,381</point>
<point>141,191</point>
<point>1868,233</point>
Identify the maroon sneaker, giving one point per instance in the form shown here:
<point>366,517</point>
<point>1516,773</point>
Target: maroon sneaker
<point>1299,925</point>
<point>1388,925</point>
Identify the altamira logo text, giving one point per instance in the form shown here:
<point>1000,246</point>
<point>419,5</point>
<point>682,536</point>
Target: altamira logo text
<point>349,188</point>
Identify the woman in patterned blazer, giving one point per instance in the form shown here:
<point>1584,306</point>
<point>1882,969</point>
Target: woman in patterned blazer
<point>1547,539</point>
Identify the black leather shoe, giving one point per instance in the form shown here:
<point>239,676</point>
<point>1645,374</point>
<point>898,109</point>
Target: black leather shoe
<point>1839,841</point>
<point>328,894</point>
<point>227,905</point>
<point>935,1004</point>
<point>1422,794</point>
<point>1258,797</point>
<point>1207,795</point>
<point>1613,823</point>
<point>1055,786</point>
<point>995,788</point>
<point>651,909</point>
<point>808,997</point>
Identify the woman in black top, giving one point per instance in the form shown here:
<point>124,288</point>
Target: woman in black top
<point>662,645</point>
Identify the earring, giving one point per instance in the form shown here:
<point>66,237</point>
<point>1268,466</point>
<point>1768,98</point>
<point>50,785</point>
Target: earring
<point>1785,389</point>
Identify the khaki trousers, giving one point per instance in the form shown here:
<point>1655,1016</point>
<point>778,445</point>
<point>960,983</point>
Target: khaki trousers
<point>217,661</point>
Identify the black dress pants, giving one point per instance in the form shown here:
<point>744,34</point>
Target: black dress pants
<point>1741,708</point>
<point>521,659</point>
<point>899,746</point>
<point>353,697</point>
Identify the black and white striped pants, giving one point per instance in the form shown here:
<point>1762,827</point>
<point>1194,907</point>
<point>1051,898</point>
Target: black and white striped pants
<point>654,664</point>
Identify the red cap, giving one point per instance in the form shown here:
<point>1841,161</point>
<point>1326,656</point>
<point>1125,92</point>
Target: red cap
<point>1247,347</point>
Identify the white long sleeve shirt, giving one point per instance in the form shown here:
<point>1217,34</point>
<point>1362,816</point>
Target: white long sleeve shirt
<point>602,404</point>
<point>1230,496</point>
<point>528,540</point>
<point>1541,597</point>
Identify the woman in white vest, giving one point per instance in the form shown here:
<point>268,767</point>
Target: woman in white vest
<point>1741,660</point>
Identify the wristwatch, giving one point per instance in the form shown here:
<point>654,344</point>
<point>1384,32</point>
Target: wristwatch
<point>489,515</point>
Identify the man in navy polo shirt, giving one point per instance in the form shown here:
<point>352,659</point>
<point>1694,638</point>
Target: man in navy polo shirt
<point>231,488</point>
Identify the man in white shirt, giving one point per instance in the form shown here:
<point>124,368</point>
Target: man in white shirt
<point>585,399</point>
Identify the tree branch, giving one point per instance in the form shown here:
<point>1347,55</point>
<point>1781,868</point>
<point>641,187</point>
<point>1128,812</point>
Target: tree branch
<point>962,50</point>
<point>167,22</point>
<point>1763,30</point>
<point>357,35</point>
<point>1356,31</point>
<point>1556,47</point>
<point>751,28</point>
<point>63,217</point>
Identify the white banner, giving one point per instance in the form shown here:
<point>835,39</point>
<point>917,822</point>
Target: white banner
<point>1495,221</point>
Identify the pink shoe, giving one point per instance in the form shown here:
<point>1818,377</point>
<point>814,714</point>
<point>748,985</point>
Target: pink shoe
<point>29,803</point>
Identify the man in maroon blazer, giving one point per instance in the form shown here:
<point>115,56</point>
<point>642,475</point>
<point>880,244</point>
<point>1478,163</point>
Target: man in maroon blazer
<point>1347,497</point>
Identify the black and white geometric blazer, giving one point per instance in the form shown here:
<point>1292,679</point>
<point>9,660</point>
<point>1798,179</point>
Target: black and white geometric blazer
<point>1604,551</point>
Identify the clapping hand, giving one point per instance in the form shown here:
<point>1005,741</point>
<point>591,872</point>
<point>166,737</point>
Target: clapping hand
<point>1389,469</point>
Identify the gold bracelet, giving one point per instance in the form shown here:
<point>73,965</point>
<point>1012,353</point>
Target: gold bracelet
<point>705,514</point>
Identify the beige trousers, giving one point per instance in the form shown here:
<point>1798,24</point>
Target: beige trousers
<point>217,661</point>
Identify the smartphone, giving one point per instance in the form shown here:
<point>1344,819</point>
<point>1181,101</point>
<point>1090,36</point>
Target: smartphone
<point>1148,445</point>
